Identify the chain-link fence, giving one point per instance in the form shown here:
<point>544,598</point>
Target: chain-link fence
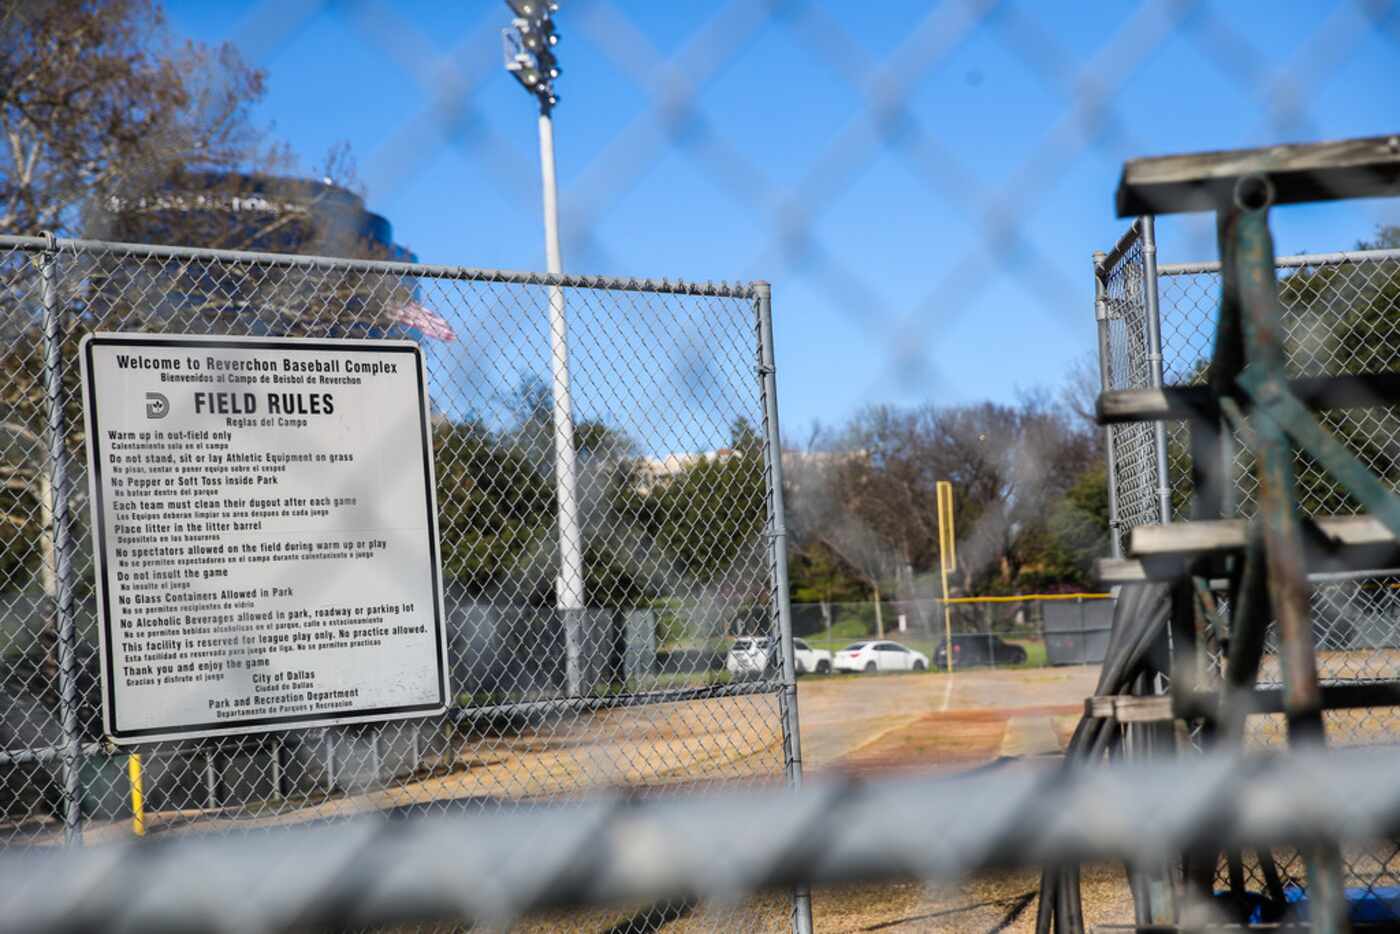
<point>1130,355</point>
<point>1340,312</point>
<point>995,632</point>
<point>1337,308</point>
<point>664,612</point>
<point>489,869</point>
<point>674,426</point>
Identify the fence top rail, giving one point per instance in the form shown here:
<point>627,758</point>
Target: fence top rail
<point>740,290</point>
<point>1291,262</point>
<point>1026,598</point>
<point>1104,264</point>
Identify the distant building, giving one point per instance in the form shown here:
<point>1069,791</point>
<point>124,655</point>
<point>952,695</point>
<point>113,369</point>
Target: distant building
<point>274,214</point>
<point>800,467</point>
<point>806,471</point>
<point>260,213</point>
<point>652,472</point>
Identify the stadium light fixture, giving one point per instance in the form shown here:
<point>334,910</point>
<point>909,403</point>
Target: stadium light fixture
<point>529,44</point>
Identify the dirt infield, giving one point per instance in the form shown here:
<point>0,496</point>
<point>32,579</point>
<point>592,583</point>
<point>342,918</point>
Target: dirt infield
<point>933,722</point>
<point>871,724</point>
<point>862,724</point>
<point>937,722</point>
<point>867,724</point>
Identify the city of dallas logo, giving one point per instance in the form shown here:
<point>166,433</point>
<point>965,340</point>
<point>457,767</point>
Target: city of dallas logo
<point>157,406</point>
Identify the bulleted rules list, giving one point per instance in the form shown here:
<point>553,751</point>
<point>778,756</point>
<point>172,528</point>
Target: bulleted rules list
<point>265,534</point>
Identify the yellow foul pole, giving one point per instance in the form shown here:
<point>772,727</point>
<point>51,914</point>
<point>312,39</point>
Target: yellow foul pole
<point>138,806</point>
<point>947,562</point>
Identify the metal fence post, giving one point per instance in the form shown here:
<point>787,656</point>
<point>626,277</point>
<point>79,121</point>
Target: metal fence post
<point>62,546</point>
<point>1083,633</point>
<point>801,896</point>
<point>211,777</point>
<point>278,791</point>
<point>1105,383</point>
<point>328,743</point>
<point>1156,367</point>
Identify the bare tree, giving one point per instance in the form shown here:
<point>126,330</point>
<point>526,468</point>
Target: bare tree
<point>867,554</point>
<point>870,497</point>
<point>97,109</point>
<point>819,499</point>
<point>1009,466</point>
<point>1079,393</point>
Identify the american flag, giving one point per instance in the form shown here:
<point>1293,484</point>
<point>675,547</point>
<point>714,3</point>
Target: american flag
<point>423,320</point>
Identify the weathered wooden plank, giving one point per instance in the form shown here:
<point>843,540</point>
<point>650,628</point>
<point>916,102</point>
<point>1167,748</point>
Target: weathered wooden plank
<point>1327,171</point>
<point>1203,536</point>
<point>1112,571</point>
<point>1258,701</point>
<point>1127,709</point>
<point>1216,536</point>
<point>1172,403</point>
<point>1169,403</point>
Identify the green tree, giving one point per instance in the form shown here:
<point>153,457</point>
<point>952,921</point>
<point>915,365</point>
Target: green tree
<point>817,574</point>
<point>496,499</point>
<point>709,519</point>
<point>1077,530</point>
<point>495,511</point>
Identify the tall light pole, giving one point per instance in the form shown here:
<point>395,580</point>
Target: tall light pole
<point>529,49</point>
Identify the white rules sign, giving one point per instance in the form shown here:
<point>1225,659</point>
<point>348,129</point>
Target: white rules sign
<point>265,533</point>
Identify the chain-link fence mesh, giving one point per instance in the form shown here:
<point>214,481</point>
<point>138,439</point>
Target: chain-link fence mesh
<point>533,739</point>
<point>1339,311</point>
<point>1126,363</point>
<point>487,869</point>
<point>868,90</point>
<point>674,488</point>
<point>1000,632</point>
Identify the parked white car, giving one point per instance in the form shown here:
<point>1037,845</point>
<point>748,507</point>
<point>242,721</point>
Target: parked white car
<point>810,659</point>
<point>753,658</point>
<point>879,656</point>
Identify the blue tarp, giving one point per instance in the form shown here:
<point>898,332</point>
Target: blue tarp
<point>1380,903</point>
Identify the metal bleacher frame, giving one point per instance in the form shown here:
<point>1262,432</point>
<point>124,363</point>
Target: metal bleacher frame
<point>1230,577</point>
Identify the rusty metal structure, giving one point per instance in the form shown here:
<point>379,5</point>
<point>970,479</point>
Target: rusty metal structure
<point>1232,577</point>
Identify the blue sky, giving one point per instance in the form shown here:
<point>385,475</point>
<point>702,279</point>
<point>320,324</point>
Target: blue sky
<point>899,291</point>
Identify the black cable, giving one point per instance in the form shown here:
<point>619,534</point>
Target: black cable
<point>1273,883</point>
<point>1139,620</point>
